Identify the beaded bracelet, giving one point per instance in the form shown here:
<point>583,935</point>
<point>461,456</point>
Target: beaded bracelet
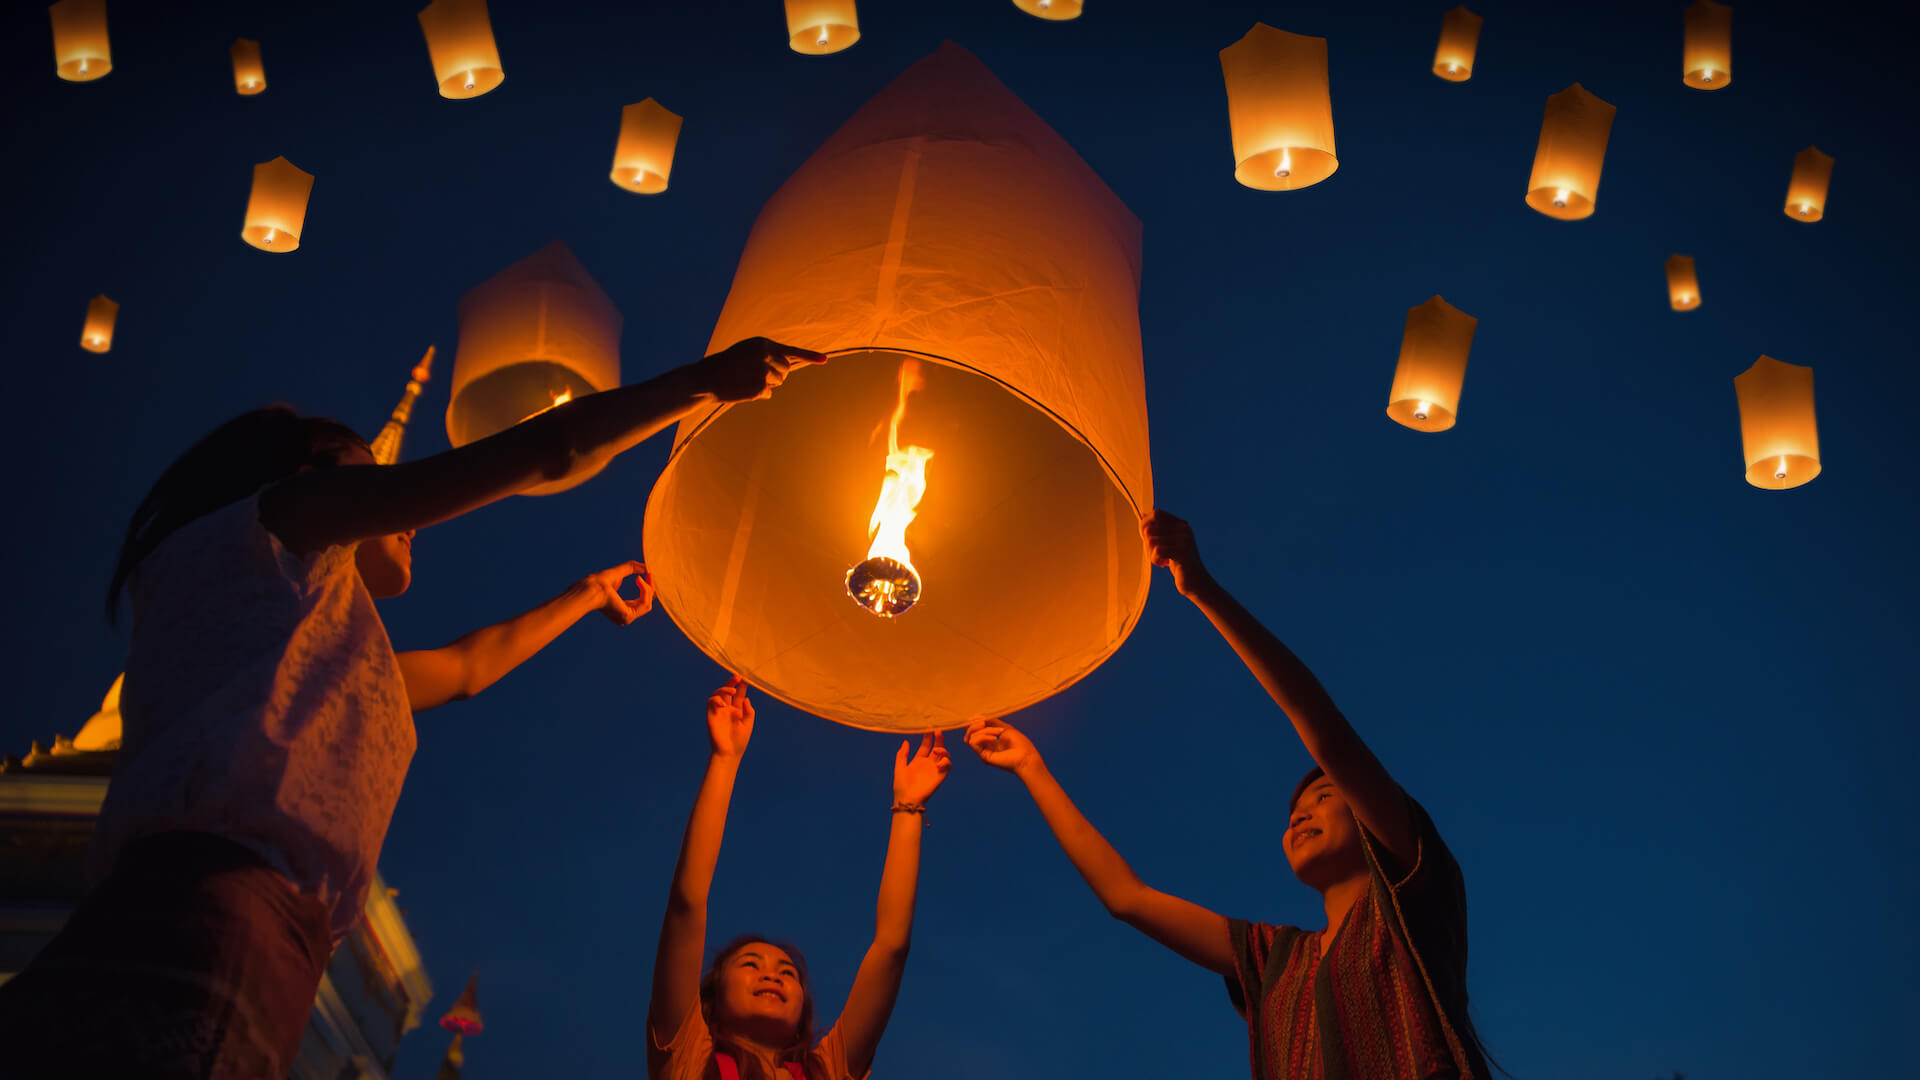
<point>912,808</point>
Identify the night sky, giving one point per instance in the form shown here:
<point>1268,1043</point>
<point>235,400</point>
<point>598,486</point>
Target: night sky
<point>1656,712</point>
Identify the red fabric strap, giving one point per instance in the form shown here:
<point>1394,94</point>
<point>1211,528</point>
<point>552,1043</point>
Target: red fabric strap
<point>730,1071</point>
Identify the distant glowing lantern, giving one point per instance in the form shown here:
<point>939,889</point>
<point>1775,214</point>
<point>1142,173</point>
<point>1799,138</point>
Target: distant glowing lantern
<point>466,62</point>
<point>1683,286</point>
<point>464,1017</point>
<point>277,208</point>
<point>1566,166</point>
<point>1433,365</point>
<point>249,75</point>
<point>532,337</point>
<point>1706,61</point>
<point>1807,191</point>
<point>1459,37</point>
<point>821,26</point>
<point>96,334</point>
<point>80,48</point>
<point>1776,424</point>
<point>948,224</point>
<point>1055,10</point>
<point>1279,109</point>
<point>643,157</point>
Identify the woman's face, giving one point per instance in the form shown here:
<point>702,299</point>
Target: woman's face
<point>759,994</point>
<point>385,562</point>
<point>1323,840</point>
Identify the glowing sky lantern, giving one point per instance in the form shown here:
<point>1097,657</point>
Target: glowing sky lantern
<point>80,48</point>
<point>643,158</point>
<point>1459,38</point>
<point>1706,56</point>
<point>943,223</point>
<point>1683,285</point>
<point>249,74</point>
<point>96,334</point>
<point>532,337</point>
<point>1433,365</point>
<point>1279,108</point>
<point>1777,431</point>
<point>1807,190</point>
<point>1566,166</point>
<point>1055,10</point>
<point>277,208</point>
<point>466,62</point>
<point>821,26</point>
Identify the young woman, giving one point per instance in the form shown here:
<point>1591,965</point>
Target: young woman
<point>268,722</point>
<point>1381,992</point>
<point>751,1016</point>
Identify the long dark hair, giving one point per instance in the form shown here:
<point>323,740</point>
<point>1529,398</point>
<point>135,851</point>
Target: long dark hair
<point>710,989</point>
<point>233,461</point>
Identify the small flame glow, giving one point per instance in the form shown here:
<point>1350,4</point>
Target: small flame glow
<point>1045,4</point>
<point>83,65</point>
<point>1285,168</point>
<point>469,80</point>
<point>1805,209</point>
<point>1420,411</point>
<point>887,583</point>
<point>1453,69</point>
<point>560,398</point>
<point>1780,470</point>
<point>824,35</point>
<point>93,339</point>
<point>1686,299</point>
<point>271,233</point>
<point>1707,75</point>
<point>1560,198</point>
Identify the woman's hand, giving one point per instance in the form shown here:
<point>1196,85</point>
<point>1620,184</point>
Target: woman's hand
<point>749,370</point>
<point>730,719</point>
<point>916,779</point>
<point>1170,543</point>
<point>1001,746</point>
<point>618,609</point>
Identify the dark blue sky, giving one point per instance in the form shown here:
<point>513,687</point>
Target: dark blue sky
<point>1656,712</point>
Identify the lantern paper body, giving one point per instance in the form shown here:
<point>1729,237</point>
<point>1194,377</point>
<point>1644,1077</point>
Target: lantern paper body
<point>643,159</point>
<point>1459,38</point>
<point>539,332</point>
<point>947,222</point>
<point>1707,54</point>
<point>1433,365</point>
<point>80,49</point>
<point>1683,285</point>
<point>466,62</point>
<point>249,74</point>
<point>96,335</point>
<point>1279,108</point>
<point>1050,9</point>
<point>1807,191</point>
<point>1776,424</point>
<point>821,26</point>
<point>1566,166</point>
<point>278,206</point>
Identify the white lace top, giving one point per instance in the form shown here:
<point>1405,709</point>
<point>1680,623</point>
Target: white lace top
<point>263,704</point>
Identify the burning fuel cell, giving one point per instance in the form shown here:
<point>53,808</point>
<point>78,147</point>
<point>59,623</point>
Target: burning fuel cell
<point>886,582</point>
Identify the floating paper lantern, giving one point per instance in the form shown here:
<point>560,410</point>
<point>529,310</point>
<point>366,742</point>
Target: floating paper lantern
<point>1566,166</point>
<point>821,26</point>
<point>96,334</point>
<point>945,223</point>
<point>1050,9</point>
<point>1683,286</point>
<point>1776,424</point>
<point>1279,108</point>
<point>80,48</point>
<point>1459,37</point>
<point>466,62</point>
<point>278,206</point>
<point>1807,191</point>
<point>534,336</point>
<point>249,75</point>
<point>643,158</point>
<point>1433,364</point>
<point>1706,60</point>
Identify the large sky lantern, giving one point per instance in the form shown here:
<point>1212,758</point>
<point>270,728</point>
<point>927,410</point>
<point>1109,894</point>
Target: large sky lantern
<point>466,62</point>
<point>1777,432</point>
<point>1807,189</point>
<point>817,27</point>
<point>277,206</point>
<point>96,334</point>
<point>532,337</point>
<point>643,158</point>
<point>1706,60</point>
<point>1279,108</point>
<point>1433,365</point>
<point>947,225</point>
<point>1055,10</point>
<point>249,74</point>
<point>1566,165</point>
<point>1459,39</point>
<point>80,47</point>
<point>1683,285</point>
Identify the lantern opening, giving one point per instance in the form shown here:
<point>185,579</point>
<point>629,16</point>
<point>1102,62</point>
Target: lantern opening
<point>886,583</point>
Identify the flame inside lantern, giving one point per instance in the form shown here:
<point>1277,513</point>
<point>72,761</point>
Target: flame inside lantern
<point>886,583</point>
<point>560,397</point>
